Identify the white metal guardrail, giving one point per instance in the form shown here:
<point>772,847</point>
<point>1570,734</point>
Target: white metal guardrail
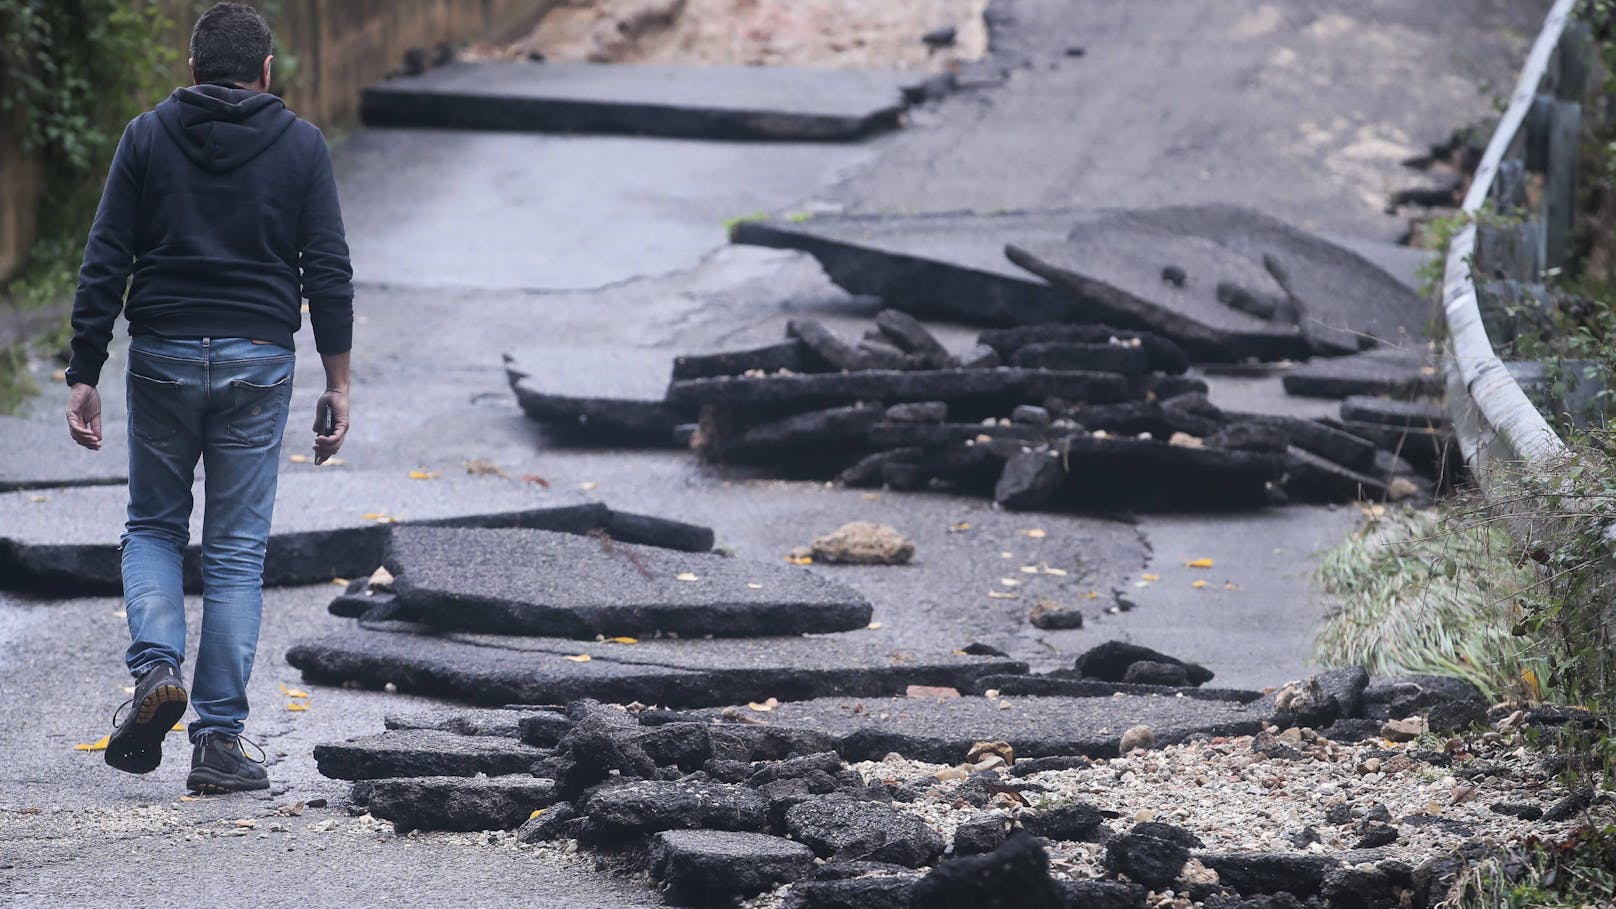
<point>1493,418</point>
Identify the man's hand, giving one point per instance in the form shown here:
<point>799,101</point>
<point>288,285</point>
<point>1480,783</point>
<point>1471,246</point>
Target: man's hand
<point>327,445</point>
<point>84,415</point>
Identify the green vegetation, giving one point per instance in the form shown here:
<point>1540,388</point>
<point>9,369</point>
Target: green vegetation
<point>1579,873</point>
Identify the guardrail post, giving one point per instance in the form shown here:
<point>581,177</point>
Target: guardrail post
<point>1539,122</point>
<point>1560,182</point>
<point>1575,56</point>
<point>1512,251</point>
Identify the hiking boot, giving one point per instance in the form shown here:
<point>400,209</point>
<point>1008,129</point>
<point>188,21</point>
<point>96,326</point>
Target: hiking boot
<point>220,764</point>
<point>136,746</point>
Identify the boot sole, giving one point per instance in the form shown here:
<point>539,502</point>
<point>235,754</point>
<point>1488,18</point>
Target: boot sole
<point>211,782</point>
<point>137,746</point>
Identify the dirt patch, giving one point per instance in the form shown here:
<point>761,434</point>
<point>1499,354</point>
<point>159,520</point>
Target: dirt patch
<point>847,34</point>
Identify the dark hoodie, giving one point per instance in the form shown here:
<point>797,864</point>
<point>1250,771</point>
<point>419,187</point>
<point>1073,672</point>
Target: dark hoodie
<point>222,206</point>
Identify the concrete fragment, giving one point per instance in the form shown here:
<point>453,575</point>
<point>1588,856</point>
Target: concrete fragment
<point>864,543</point>
<point>458,803</point>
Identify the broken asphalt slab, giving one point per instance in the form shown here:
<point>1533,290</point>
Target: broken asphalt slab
<point>36,455</point>
<point>624,406</point>
<point>525,582</point>
<point>935,266</point>
<point>1387,372</point>
<point>1003,387</point>
<point>421,752</point>
<point>330,523</point>
<point>776,103</point>
<point>943,730</point>
<point>490,670</point>
<point>458,803</point>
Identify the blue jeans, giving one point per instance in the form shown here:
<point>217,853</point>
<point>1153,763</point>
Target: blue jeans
<point>224,401</point>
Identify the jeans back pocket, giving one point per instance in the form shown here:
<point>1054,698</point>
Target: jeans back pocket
<point>153,406</point>
<point>257,412</point>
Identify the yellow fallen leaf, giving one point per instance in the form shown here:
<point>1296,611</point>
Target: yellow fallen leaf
<point>1150,577</point>
<point>686,576</point>
<point>800,560</point>
<point>961,527</point>
<point>1036,533</point>
<point>177,727</point>
<point>754,586</point>
<point>340,582</point>
<point>190,798</point>
<point>296,707</point>
<point>423,475</point>
<point>380,517</point>
<point>765,706</point>
<point>97,745</point>
<point>301,459</point>
<point>1199,563</point>
<point>622,640</point>
<point>1092,595</point>
<point>1001,595</point>
<point>1198,584</point>
<point>874,626</point>
<point>870,496</point>
<point>294,692</point>
<point>536,813</point>
<point>578,658</point>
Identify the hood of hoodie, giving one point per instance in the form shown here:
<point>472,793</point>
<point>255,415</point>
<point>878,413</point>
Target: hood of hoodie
<point>220,128</point>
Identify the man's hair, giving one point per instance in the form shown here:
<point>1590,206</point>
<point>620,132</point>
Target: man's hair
<point>229,44</point>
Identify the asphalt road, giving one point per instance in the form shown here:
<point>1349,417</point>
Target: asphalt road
<point>607,255</point>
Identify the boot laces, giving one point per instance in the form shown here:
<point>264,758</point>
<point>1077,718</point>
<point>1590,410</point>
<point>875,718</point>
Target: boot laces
<point>240,739</point>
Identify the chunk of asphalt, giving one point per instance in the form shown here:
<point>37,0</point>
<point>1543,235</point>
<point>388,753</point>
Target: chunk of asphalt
<point>787,355</point>
<point>1342,299</point>
<point>38,455</point>
<point>1161,354</point>
<point>459,803</point>
<point>943,731</point>
<point>1115,259</point>
<point>323,529</point>
<point>1110,660</point>
<point>1419,414</point>
<point>1310,478</point>
<point>1252,873</point>
<point>1012,876</point>
<point>836,429</point>
<point>1000,389</point>
<point>626,409</point>
<point>1388,372</point>
<point>501,722</point>
<point>420,752</point>
<point>906,332</point>
<point>843,827</point>
<point>639,807</point>
<point>713,866</point>
<point>1069,687</point>
<point>663,533</point>
<point>1432,452</point>
<point>562,585</point>
<point>495,670</point>
<point>1352,452</point>
<point>928,435</point>
<point>938,266</point>
<point>707,102</point>
<point>1102,357</point>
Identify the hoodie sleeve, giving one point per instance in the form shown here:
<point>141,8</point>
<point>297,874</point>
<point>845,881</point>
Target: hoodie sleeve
<point>109,258</point>
<point>323,253</point>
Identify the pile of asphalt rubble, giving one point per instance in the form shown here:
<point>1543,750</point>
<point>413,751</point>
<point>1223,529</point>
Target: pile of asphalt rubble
<point>1084,396</point>
<point>794,809</point>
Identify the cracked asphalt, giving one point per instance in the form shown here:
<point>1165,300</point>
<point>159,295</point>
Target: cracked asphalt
<point>605,257</point>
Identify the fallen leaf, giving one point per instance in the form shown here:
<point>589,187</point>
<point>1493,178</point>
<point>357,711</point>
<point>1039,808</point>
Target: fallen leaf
<point>296,707</point>
<point>578,658</point>
<point>1035,533</point>
<point>536,813</point>
<point>122,614</point>
<point>870,496</point>
<point>334,462</point>
<point>380,517</point>
<point>536,480</point>
<point>1007,555</point>
<point>622,640</point>
<point>751,586</point>
<point>301,459</point>
<point>961,527</point>
<point>874,626</point>
<point>1198,584</point>
<point>97,745</point>
<point>1092,595</point>
<point>586,487</point>
<point>1230,585</point>
<point>340,582</point>
<point>800,560</point>
<point>1057,572</point>
<point>686,576</point>
<point>36,498</point>
<point>1001,595</point>
<point>190,798</point>
<point>765,706</point>
<point>177,727</point>
<point>1199,563</point>
<point>294,692</point>
<point>423,474</point>
<point>1009,582</point>
<point>1150,577</point>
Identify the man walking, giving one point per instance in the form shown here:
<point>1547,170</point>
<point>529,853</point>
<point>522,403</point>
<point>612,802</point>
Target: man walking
<point>222,207</point>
